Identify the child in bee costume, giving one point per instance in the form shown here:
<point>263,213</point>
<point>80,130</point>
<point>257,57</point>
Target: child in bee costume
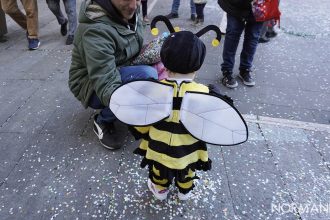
<point>176,117</point>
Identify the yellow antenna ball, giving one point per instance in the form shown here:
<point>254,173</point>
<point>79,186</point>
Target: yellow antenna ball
<point>176,29</point>
<point>154,31</point>
<point>215,42</point>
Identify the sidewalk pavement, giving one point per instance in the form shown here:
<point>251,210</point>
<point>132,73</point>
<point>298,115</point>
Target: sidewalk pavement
<point>53,167</point>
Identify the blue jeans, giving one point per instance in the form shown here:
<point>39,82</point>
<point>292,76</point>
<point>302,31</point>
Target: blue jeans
<point>235,27</point>
<point>176,5</point>
<point>127,73</point>
<point>70,9</point>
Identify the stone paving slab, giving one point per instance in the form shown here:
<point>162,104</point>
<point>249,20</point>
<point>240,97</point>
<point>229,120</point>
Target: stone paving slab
<point>12,147</point>
<point>64,120</point>
<point>13,95</point>
<point>22,194</point>
<point>321,115</point>
<point>26,60</point>
<point>321,141</point>
<point>287,112</point>
<point>253,179</point>
<point>304,169</point>
<point>32,116</point>
<point>60,176</point>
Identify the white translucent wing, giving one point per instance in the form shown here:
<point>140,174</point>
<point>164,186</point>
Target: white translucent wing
<point>212,120</point>
<point>140,103</point>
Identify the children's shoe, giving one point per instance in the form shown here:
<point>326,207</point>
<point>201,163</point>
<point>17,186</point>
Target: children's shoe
<point>159,194</point>
<point>33,44</point>
<point>184,197</point>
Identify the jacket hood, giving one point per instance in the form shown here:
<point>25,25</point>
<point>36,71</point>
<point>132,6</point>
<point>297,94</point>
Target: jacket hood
<point>103,10</point>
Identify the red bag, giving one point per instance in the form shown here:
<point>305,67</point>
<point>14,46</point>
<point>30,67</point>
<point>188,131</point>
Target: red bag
<point>265,10</point>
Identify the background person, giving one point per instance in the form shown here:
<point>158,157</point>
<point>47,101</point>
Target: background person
<point>175,10</point>
<point>28,22</point>
<point>239,19</point>
<point>199,4</point>
<point>70,9</point>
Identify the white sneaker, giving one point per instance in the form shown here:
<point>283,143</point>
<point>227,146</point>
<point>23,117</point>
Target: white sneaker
<point>159,194</point>
<point>184,196</point>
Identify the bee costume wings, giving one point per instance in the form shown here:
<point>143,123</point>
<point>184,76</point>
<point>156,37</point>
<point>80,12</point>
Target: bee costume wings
<point>206,117</point>
<point>209,118</point>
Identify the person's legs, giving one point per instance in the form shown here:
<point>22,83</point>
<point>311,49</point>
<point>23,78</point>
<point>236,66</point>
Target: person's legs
<point>234,30</point>
<point>70,9</point>
<point>157,185</point>
<point>145,12</point>
<point>175,6</point>
<point>31,9</point>
<point>144,8</point>
<point>199,11</point>
<point>270,33</point>
<point>105,116</point>
<point>10,7</point>
<point>270,30</point>
<point>54,6</point>
<point>200,14</point>
<point>185,186</point>
<point>127,73</point>
<point>104,126</point>
<point>263,38</point>
<point>251,38</point>
<point>192,9</point>
<point>174,10</point>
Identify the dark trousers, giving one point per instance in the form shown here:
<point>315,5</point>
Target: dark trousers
<point>3,25</point>
<point>235,27</point>
<point>200,10</point>
<point>144,8</point>
<point>127,73</point>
